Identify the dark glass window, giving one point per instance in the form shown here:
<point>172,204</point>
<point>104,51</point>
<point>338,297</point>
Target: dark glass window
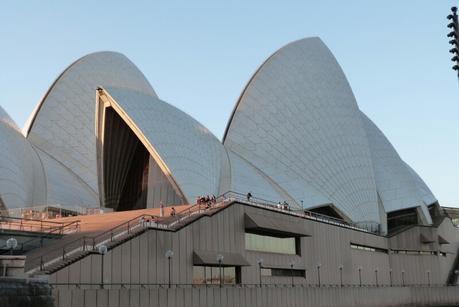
<point>211,275</point>
<point>259,243</point>
<point>368,248</point>
<point>282,272</point>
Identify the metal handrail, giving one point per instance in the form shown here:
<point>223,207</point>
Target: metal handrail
<point>24,223</point>
<point>80,244</point>
<point>127,223</point>
<point>4,217</point>
<point>60,230</point>
<point>87,243</point>
<point>304,213</point>
<point>184,214</point>
<point>252,285</point>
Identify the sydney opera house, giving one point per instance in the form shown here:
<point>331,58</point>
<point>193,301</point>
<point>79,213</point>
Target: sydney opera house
<point>308,192</point>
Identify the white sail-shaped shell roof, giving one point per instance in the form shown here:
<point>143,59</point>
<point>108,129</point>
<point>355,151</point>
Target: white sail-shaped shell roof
<point>297,120</point>
<point>398,185</point>
<point>22,181</point>
<point>188,153</point>
<point>63,123</point>
<point>296,134</point>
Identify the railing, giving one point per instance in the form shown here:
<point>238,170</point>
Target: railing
<point>32,225</point>
<point>245,285</point>
<point>50,211</point>
<point>267,204</point>
<point>64,228</point>
<point>90,244</point>
<point>183,215</point>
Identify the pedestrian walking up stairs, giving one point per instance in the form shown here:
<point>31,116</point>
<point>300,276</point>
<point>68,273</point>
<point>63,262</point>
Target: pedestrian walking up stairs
<point>74,248</point>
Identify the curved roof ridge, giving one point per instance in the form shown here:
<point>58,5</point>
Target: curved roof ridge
<point>6,119</point>
<point>236,105</point>
<point>31,119</point>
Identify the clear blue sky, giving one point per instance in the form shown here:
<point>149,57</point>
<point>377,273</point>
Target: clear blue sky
<point>198,55</point>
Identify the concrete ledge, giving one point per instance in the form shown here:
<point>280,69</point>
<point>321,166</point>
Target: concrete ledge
<point>11,265</point>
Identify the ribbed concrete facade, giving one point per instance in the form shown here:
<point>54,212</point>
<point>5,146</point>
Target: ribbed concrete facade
<point>402,269</point>
<point>256,297</point>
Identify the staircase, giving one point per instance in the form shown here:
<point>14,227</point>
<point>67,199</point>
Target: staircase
<point>53,260</point>
<point>80,254</point>
<point>77,247</point>
<point>82,247</point>
<point>63,262</point>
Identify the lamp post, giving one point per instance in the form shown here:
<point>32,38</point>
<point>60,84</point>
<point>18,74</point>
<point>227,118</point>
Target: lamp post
<point>454,35</point>
<point>318,274</point>
<point>291,271</point>
<point>341,276</point>
<point>390,277</point>
<point>220,260</point>
<point>102,251</point>
<point>360,276</point>
<point>403,278</point>
<point>260,264</point>
<point>428,277</point>
<point>376,276</point>
<point>169,254</point>
<point>11,244</point>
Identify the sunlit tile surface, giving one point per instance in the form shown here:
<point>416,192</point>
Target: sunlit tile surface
<point>298,121</point>
<point>296,134</point>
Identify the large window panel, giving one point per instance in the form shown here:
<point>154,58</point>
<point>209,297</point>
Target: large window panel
<point>268,244</point>
<point>211,275</point>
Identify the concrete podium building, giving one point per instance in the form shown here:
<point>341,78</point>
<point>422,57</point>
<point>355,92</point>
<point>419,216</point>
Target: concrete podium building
<point>309,192</point>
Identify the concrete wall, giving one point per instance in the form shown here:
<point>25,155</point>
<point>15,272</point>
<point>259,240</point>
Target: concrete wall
<point>257,297</point>
<point>142,259</point>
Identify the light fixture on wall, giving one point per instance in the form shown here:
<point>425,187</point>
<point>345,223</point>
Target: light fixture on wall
<point>102,249</point>
<point>220,260</point>
<point>428,278</point>
<point>403,278</point>
<point>341,275</point>
<point>376,276</point>
<point>318,274</point>
<point>390,277</point>
<point>292,264</point>
<point>169,254</point>
<point>260,265</point>
<point>11,244</point>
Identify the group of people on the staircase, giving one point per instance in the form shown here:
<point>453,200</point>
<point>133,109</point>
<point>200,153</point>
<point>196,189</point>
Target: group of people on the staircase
<point>150,220</point>
<point>207,200</point>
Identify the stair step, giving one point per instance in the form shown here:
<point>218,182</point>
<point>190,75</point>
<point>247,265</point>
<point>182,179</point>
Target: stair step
<point>81,254</point>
